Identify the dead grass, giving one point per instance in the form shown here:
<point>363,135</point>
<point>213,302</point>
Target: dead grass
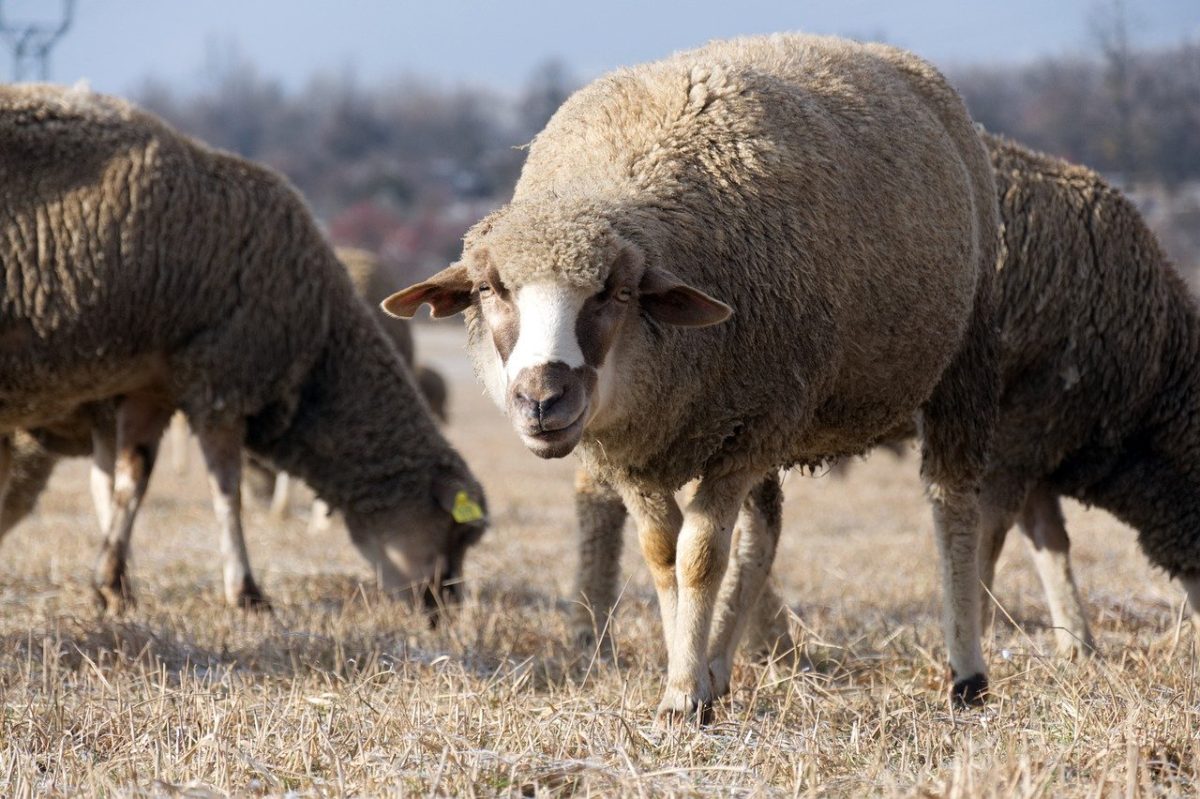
<point>345,693</point>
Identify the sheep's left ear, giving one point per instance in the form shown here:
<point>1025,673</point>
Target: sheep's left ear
<point>448,292</point>
<point>670,300</point>
<point>463,502</point>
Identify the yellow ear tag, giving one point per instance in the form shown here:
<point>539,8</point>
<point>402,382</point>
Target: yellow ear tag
<point>466,510</point>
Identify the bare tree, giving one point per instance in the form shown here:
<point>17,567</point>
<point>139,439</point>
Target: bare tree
<point>32,42</point>
<point>1110,28</point>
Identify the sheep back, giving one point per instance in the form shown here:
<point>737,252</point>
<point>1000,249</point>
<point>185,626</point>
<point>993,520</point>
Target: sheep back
<point>835,195</point>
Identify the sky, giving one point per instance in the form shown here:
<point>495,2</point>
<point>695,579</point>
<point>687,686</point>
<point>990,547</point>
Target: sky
<point>117,44</point>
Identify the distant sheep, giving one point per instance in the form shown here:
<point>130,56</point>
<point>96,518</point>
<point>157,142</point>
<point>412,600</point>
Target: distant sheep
<point>148,269</point>
<point>837,197</point>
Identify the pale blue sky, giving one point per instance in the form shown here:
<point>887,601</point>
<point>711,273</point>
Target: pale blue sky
<point>115,44</point>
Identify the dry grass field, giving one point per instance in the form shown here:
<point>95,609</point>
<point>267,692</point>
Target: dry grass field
<point>343,692</point>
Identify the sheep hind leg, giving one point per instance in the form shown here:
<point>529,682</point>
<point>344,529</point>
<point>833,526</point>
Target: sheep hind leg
<point>702,555</point>
<point>996,519</point>
<point>1191,584</point>
<point>222,448</point>
<point>1041,521</point>
<point>6,464</point>
<point>281,497</point>
<point>104,462</point>
<point>768,639</point>
<point>140,421</point>
<point>600,514</point>
<point>754,541</point>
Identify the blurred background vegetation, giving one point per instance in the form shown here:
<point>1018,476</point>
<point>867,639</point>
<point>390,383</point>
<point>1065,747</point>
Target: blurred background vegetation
<point>403,166</point>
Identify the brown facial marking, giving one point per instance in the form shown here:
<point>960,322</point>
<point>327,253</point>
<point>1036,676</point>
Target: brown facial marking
<point>601,315</point>
<point>501,314</point>
<point>596,327</point>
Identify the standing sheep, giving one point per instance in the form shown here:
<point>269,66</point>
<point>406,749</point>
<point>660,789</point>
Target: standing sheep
<point>837,197</point>
<point>1100,355</point>
<point>145,268</point>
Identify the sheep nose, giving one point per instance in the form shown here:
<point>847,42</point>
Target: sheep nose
<point>534,406</point>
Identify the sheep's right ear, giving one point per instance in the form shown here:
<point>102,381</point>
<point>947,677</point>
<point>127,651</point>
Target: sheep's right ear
<point>448,292</point>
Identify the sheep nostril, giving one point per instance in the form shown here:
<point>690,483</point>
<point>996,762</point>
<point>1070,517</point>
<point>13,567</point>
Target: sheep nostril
<point>546,405</point>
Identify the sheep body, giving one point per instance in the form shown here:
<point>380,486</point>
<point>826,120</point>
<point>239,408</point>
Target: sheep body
<point>143,266</point>
<point>836,196</point>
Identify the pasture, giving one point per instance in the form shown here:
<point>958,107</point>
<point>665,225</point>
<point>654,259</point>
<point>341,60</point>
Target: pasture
<point>344,692</point>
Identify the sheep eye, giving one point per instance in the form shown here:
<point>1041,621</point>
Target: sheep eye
<point>484,289</point>
<point>623,295</point>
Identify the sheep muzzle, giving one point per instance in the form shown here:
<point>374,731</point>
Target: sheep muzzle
<point>548,406</point>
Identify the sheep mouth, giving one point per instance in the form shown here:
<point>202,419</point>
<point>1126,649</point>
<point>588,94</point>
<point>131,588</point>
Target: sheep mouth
<point>556,443</point>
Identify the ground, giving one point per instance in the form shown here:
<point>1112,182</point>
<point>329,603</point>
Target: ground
<point>343,692</point>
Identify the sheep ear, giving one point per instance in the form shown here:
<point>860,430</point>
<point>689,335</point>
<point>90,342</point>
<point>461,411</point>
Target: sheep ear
<point>461,501</point>
<point>670,300</point>
<point>448,292</point>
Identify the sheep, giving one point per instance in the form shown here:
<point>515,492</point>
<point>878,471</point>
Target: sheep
<point>1100,346</point>
<point>837,200</point>
<point>147,270</point>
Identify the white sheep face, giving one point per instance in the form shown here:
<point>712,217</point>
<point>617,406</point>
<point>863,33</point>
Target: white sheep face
<point>548,351</point>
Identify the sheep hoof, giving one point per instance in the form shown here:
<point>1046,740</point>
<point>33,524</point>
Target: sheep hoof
<point>969,691</point>
<point>1073,648</point>
<point>720,671</point>
<point>679,708</point>
<point>249,597</point>
<point>114,598</point>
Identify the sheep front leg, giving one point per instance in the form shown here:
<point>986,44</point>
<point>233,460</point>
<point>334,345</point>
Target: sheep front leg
<point>140,421</point>
<point>222,448</point>
<point>956,523</point>
<point>600,513</point>
<point>658,520</point>
<point>1045,532</point>
<point>701,558</point>
<point>755,538</point>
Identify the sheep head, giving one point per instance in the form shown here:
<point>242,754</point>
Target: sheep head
<point>549,302</point>
<point>417,550</point>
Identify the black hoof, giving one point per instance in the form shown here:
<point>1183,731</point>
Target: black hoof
<point>970,691</point>
<point>249,597</point>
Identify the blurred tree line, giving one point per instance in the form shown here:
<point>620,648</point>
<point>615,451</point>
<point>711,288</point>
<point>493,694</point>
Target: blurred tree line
<point>403,168</point>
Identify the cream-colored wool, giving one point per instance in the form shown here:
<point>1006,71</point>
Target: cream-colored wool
<point>836,197</point>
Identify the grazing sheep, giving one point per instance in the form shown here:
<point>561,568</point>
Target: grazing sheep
<point>144,268</point>
<point>837,197</point>
<point>1100,362</point>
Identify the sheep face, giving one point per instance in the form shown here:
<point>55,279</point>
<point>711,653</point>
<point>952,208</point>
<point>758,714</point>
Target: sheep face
<point>549,347</point>
<point>418,549</point>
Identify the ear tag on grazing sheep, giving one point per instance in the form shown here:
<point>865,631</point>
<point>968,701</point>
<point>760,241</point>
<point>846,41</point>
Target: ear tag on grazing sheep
<point>466,510</point>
